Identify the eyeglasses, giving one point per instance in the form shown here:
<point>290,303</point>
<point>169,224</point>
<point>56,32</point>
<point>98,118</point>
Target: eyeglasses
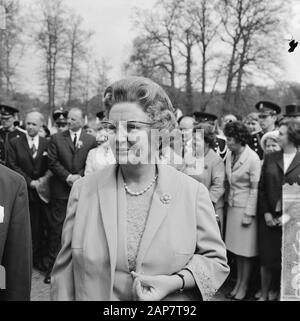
<point>130,126</point>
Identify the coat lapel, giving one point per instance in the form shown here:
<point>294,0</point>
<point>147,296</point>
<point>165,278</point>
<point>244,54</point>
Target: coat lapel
<point>158,209</point>
<point>26,146</point>
<point>228,166</point>
<point>295,163</point>
<point>242,158</point>
<point>279,161</point>
<point>42,143</point>
<point>68,139</point>
<point>81,140</point>
<point>107,192</point>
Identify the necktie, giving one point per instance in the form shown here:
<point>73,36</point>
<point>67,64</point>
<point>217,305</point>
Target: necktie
<point>75,140</point>
<point>33,149</point>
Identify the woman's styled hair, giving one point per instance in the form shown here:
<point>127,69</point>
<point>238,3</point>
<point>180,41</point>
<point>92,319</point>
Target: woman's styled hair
<point>148,95</point>
<point>273,135</point>
<point>239,131</point>
<point>293,130</point>
<point>209,133</point>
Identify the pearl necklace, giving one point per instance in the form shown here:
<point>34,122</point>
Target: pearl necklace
<point>143,191</point>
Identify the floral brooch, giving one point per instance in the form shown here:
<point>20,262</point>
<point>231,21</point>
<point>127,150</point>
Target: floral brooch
<point>79,144</point>
<point>165,199</point>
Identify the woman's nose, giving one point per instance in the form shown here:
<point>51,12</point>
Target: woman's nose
<point>121,134</point>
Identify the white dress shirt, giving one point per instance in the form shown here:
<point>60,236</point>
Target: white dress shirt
<point>72,134</point>
<point>33,140</point>
<point>287,160</point>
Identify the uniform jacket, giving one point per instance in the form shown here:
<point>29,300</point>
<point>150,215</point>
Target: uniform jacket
<point>244,173</point>
<point>65,159</point>
<point>256,145</point>
<point>5,138</point>
<point>272,179</point>
<point>19,158</point>
<point>15,236</point>
<point>180,233</point>
<point>220,147</point>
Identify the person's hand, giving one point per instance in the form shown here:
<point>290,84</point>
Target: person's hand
<point>71,179</point>
<point>270,221</point>
<point>76,177</point>
<point>247,220</point>
<point>153,288</point>
<point>33,184</point>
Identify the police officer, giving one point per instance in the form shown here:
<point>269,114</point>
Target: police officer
<point>220,146</point>
<point>252,122</point>
<point>60,117</point>
<point>292,112</point>
<point>8,131</point>
<point>268,115</point>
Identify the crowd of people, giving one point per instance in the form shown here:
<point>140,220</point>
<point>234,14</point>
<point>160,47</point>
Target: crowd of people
<point>106,229</point>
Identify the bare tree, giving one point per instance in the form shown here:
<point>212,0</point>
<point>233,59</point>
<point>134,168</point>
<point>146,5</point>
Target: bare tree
<point>147,60</point>
<point>101,80</point>
<point>51,41</point>
<point>249,28</point>
<point>11,45</point>
<point>205,28</point>
<point>77,42</point>
<point>186,39</point>
<point>159,27</point>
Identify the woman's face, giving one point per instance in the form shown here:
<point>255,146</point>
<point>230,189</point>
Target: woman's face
<point>253,125</point>
<point>271,146</point>
<point>101,136</point>
<point>283,140</point>
<point>232,144</point>
<point>42,132</point>
<point>129,133</point>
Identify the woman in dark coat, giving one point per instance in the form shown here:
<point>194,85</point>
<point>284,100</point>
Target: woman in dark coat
<point>278,168</point>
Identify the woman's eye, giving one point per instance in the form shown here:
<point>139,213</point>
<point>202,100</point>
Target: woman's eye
<point>131,127</point>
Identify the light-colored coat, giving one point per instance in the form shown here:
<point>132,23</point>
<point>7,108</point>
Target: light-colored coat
<point>213,177</point>
<point>241,178</point>
<point>180,233</point>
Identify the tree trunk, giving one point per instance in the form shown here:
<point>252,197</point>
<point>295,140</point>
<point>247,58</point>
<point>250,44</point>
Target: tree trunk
<point>189,87</point>
<point>71,73</point>
<point>173,68</point>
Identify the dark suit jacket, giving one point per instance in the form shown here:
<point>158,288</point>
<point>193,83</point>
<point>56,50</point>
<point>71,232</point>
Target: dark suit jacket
<point>15,236</point>
<point>272,179</point>
<point>19,158</point>
<point>65,159</point>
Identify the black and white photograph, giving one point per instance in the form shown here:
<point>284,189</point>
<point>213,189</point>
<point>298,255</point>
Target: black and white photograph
<point>149,151</point>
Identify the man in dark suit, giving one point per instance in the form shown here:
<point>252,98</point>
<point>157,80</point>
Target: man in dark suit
<point>15,237</point>
<point>27,155</point>
<point>8,131</point>
<point>60,117</point>
<point>67,153</point>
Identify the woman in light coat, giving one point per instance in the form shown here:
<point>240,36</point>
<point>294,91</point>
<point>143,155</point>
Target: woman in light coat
<point>139,230</point>
<point>243,172</point>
